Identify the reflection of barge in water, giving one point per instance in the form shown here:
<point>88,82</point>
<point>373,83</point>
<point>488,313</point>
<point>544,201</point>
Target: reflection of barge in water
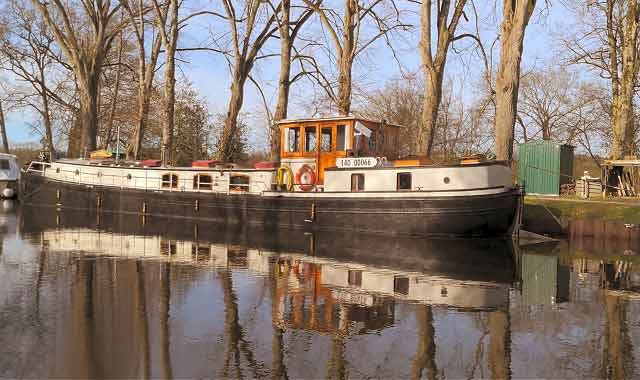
<point>329,267</point>
<point>328,189</point>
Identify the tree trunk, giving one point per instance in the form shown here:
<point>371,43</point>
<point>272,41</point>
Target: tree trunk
<point>344,87</point>
<point>430,107</point>
<point>284,82</point>
<point>48,130</point>
<point>146,73</point>
<point>346,57</point>
<point>426,354</point>
<point>433,66</point>
<point>169,99</point>
<point>3,131</point>
<point>114,103</point>
<point>516,17</point>
<point>226,145</point>
<point>499,344</point>
<point>88,90</point>
<point>546,130</point>
<point>75,136</point>
<point>623,120</point>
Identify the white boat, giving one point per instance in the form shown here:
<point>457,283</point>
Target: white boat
<point>9,175</point>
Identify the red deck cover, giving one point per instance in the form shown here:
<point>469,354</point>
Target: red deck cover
<point>151,163</point>
<point>204,163</point>
<point>266,165</point>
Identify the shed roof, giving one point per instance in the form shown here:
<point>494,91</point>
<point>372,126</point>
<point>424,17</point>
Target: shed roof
<point>622,162</point>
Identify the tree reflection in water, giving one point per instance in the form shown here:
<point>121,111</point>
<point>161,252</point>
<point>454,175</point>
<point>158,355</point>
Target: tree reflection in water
<point>144,301</point>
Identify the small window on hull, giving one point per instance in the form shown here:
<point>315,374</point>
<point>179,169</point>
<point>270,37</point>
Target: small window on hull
<point>404,181</point>
<point>169,181</point>
<point>4,164</point>
<point>357,182</point>
<point>239,182</point>
<point>202,182</point>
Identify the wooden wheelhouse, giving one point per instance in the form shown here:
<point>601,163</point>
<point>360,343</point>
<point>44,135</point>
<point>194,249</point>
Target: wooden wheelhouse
<point>320,142</point>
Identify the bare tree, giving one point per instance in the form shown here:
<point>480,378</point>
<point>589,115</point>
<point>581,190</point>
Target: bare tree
<point>247,39</point>
<point>85,41</point>
<point>146,72</point>
<point>3,130</point>
<point>349,39</point>
<point>168,22</point>
<point>31,55</point>
<point>433,64</point>
<point>547,104</point>
<point>516,15</point>
<point>288,31</point>
<point>606,41</point>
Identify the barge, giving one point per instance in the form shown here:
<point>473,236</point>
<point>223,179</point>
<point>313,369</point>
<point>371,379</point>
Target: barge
<point>335,174</point>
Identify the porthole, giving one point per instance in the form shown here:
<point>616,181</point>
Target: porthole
<point>446,180</point>
<point>99,174</point>
<point>77,172</point>
<point>57,170</point>
<point>129,176</point>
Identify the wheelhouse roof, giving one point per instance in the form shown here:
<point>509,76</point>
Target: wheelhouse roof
<point>334,118</point>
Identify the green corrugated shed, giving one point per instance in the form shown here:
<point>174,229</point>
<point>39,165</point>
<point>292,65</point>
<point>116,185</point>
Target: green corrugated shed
<point>544,166</point>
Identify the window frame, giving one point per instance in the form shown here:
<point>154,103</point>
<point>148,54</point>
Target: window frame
<point>298,140</point>
<point>332,141</point>
<point>304,143</point>
<point>239,187</point>
<point>4,160</point>
<point>344,138</point>
<point>398,175</point>
<point>170,183</point>
<point>198,184</point>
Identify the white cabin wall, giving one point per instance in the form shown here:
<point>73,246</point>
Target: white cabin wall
<point>152,179</point>
<point>425,179</point>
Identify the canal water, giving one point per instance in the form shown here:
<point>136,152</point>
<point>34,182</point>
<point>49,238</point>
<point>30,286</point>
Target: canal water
<point>101,295</point>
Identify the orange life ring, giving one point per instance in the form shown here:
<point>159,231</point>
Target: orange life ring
<point>306,172</point>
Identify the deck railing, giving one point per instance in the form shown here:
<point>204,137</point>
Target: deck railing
<point>132,181</point>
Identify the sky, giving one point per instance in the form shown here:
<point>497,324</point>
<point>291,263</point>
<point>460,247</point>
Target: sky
<point>209,74</point>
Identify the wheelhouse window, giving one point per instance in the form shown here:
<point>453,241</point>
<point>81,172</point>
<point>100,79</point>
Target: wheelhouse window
<point>239,182</point>
<point>404,181</point>
<point>357,182</point>
<point>326,136</point>
<point>4,164</point>
<point>293,139</point>
<point>341,138</point>
<point>169,181</point>
<point>310,138</point>
<point>202,182</point>
<point>373,142</point>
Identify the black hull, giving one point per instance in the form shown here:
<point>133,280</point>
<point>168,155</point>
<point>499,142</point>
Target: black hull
<point>464,216</point>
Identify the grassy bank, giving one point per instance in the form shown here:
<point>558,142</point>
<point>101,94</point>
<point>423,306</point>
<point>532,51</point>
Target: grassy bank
<point>551,216</point>
<point>625,210</point>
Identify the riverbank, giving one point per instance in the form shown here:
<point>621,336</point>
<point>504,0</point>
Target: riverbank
<point>554,215</point>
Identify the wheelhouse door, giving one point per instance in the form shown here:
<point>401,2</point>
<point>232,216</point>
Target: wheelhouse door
<point>327,149</point>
